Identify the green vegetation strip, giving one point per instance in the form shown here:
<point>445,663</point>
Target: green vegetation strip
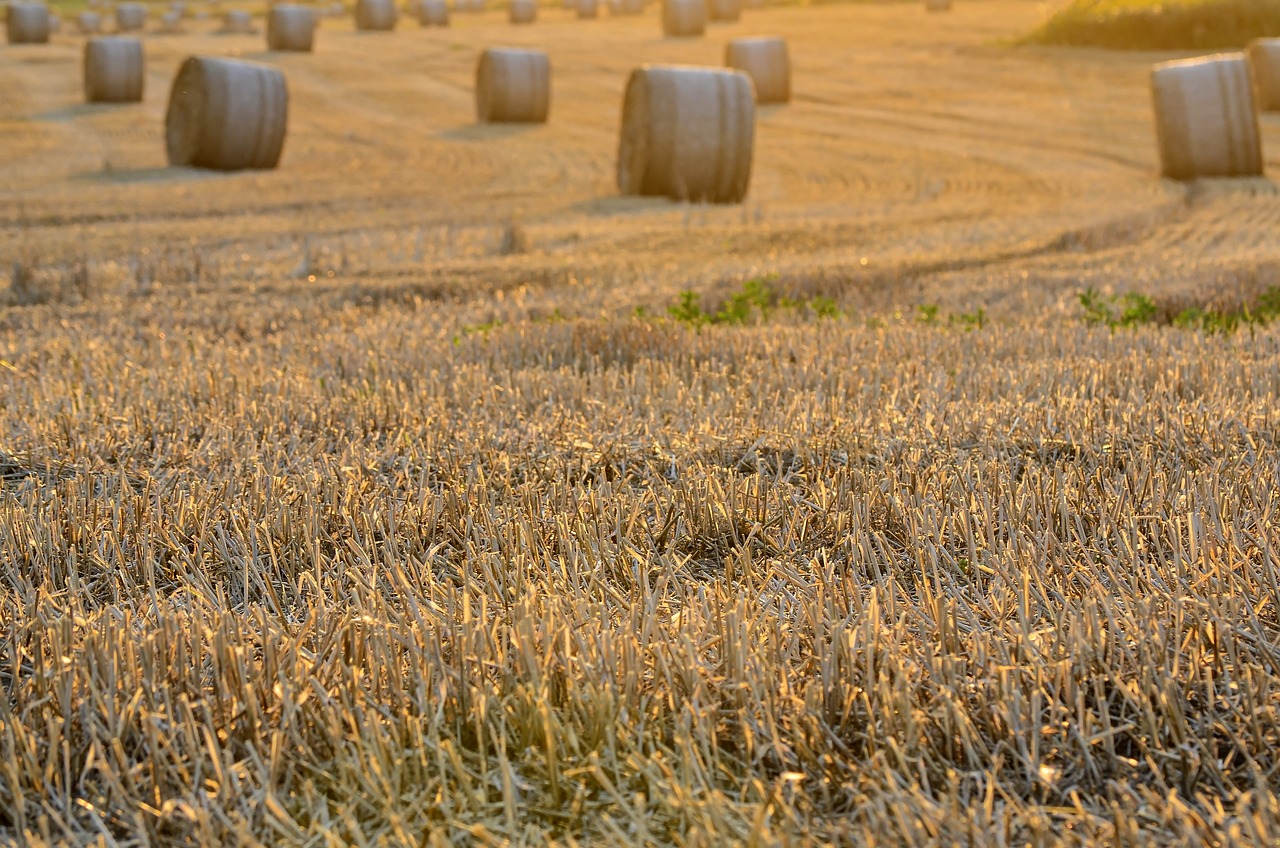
<point>1148,25</point>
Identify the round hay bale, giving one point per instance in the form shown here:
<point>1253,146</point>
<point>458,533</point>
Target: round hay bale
<point>1264,64</point>
<point>114,70</point>
<point>226,114</point>
<point>433,13</point>
<point>522,11</point>
<point>291,27</point>
<point>89,23</point>
<point>626,7</point>
<point>171,22</point>
<point>1206,123</point>
<point>687,134</point>
<point>513,86</point>
<point>376,15</point>
<point>683,18</point>
<point>937,5</point>
<point>588,9</point>
<point>178,7</point>
<point>767,62</point>
<point>724,10</point>
<point>131,17</point>
<point>28,23</point>
<point>55,23</point>
<point>237,21</point>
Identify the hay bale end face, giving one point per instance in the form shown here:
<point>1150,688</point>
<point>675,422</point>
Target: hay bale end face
<point>724,10</point>
<point>767,62</point>
<point>1206,122</point>
<point>291,27</point>
<point>114,70</point>
<point>131,17</point>
<point>513,86</point>
<point>89,23</point>
<point>687,133</point>
<point>522,11</point>
<point>433,13</point>
<point>28,23</point>
<point>226,114</point>
<point>1264,65</point>
<point>684,18</point>
<point>376,15</point>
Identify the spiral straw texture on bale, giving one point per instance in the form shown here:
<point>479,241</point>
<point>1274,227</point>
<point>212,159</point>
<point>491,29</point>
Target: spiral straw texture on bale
<point>28,23</point>
<point>226,114</point>
<point>433,13</point>
<point>513,86</point>
<point>522,11</point>
<point>114,70</point>
<point>1206,121</point>
<point>1264,64</point>
<point>291,27</point>
<point>684,17</point>
<point>131,17</point>
<point>724,10</point>
<point>375,14</point>
<point>767,62</point>
<point>687,134</point>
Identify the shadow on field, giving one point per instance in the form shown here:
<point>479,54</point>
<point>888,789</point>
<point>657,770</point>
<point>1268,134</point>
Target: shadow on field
<point>489,132</point>
<point>122,176</point>
<point>79,110</point>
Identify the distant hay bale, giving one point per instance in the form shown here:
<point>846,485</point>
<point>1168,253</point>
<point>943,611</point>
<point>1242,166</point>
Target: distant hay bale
<point>1264,63</point>
<point>767,62</point>
<point>375,15</point>
<point>131,17</point>
<point>682,18</point>
<point>937,5</point>
<point>433,13</point>
<point>171,22</point>
<point>626,7</point>
<point>179,8</point>
<point>1206,123</point>
<point>724,10</point>
<point>226,114</point>
<point>588,8</point>
<point>28,23</point>
<point>513,86</point>
<point>89,23</point>
<point>522,11</point>
<point>291,27</point>
<point>114,70</point>
<point>687,134</point>
<point>237,21</point>
<point>55,23</point>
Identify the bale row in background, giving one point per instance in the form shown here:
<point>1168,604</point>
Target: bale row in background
<point>433,13</point>
<point>724,10</point>
<point>1206,123</point>
<point>522,11</point>
<point>114,71</point>
<point>513,86</point>
<point>226,114</point>
<point>131,17</point>
<point>687,133</point>
<point>28,23</point>
<point>684,18</point>
<point>291,27</point>
<point>376,15</point>
<point>1264,62</point>
<point>767,62</point>
<point>89,23</point>
<point>237,21</point>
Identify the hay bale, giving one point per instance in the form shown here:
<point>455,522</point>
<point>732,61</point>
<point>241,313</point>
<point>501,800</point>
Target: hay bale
<point>767,62</point>
<point>179,8</point>
<point>1264,64</point>
<point>687,134</point>
<point>28,23</point>
<point>131,17</point>
<point>1206,123</point>
<point>522,11</point>
<point>237,21</point>
<point>379,15</point>
<point>55,23</point>
<point>433,13</point>
<point>226,114</point>
<point>89,23</point>
<point>588,9</point>
<point>724,10</point>
<point>626,7</point>
<point>937,5</point>
<point>114,70</point>
<point>681,18</point>
<point>170,22</point>
<point>291,27</point>
<point>513,86</point>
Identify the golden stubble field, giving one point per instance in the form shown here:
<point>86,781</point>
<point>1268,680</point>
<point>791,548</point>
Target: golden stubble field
<point>466,540</point>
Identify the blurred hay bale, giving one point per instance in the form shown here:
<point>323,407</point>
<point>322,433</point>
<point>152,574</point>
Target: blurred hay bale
<point>28,23</point>
<point>375,15</point>
<point>681,18</point>
<point>114,70</point>
<point>522,11</point>
<point>513,86</point>
<point>131,17</point>
<point>1206,122</point>
<point>768,63</point>
<point>226,114</point>
<point>1264,65</point>
<point>291,27</point>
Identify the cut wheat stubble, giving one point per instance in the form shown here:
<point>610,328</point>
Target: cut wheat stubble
<point>28,23</point>
<point>1264,65</point>
<point>114,70</point>
<point>227,115</point>
<point>687,133</point>
<point>1206,121</point>
<point>291,27</point>
<point>768,63</point>
<point>513,86</point>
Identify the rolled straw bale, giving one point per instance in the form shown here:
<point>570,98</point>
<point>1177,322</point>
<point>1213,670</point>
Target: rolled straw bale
<point>55,23</point>
<point>626,7</point>
<point>687,133</point>
<point>179,8</point>
<point>376,14</point>
<point>131,17</point>
<point>113,70</point>
<point>1206,122</point>
<point>513,86</point>
<point>291,27</point>
<point>28,23</point>
<point>89,23</point>
<point>588,8</point>
<point>684,17</point>
<point>1264,63</point>
<point>226,114</point>
<point>171,22</point>
<point>237,21</point>
<point>433,13</point>
<point>522,11</point>
<point>937,5</point>
<point>724,10</point>
<point>767,62</point>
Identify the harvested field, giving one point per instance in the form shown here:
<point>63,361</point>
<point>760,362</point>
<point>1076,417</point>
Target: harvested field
<point>423,490</point>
